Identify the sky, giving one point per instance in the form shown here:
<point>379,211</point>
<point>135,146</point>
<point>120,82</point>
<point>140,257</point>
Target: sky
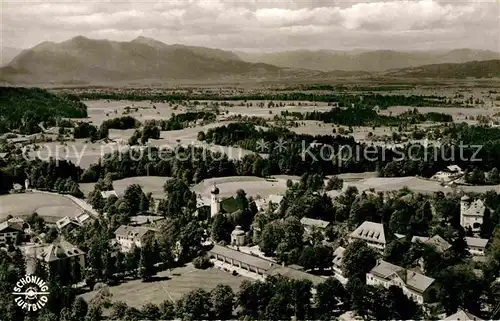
<point>260,25</point>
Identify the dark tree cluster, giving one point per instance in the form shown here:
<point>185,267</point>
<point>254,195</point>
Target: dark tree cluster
<point>180,121</point>
<point>124,122</point>
<point>53,175</point>
<point>149,131</point>
<point>366,115</point>
<point>86,130</point>
<point>23,109</point>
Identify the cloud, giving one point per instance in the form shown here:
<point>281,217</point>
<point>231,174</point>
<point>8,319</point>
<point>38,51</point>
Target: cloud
<point>266,25</point>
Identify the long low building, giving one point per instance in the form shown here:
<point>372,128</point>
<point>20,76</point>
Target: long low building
<point>258,265</point>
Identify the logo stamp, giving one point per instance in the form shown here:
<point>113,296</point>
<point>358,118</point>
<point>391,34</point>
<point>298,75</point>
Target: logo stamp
<point>31,293</point>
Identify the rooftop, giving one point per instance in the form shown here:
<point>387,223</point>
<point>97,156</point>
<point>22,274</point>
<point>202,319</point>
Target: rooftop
<point>107,194</point>
<point>370,231</point>
<point>294,274</point>
<point>57,251</point>
<point>476,242</point>
<point>476,208</point>
<point>245,258</point>
<point>462,315</point>
<point>10,225</point>
<point>313,222</point>
<point>136,232</point>
<point>436,241</point>
<point>338,256</point>
<point>414,280</point>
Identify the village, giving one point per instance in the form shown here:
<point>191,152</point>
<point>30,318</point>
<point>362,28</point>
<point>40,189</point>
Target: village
<point>249,252</point>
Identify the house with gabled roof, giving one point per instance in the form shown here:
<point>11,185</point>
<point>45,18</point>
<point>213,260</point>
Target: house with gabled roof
<point>128,236</point>
<point>374,234</point>
<point>338,257</point>
<point>108,194</point>
<point>436,241</point>
<point>9,231</point>
<point>462,315</point>
<point>56,256</point>
<point>476,246</point>
<point>471,213</point>
<point>415,286</point>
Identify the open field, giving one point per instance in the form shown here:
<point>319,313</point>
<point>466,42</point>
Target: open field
<point>253,186</point>
<point>414,183</point>
<point>170,286</point>
<point>51,207</point>
<point>149,184</point>
<point>101,110</point>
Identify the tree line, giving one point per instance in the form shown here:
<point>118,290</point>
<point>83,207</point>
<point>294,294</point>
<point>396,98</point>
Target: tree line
<point>367,116</point>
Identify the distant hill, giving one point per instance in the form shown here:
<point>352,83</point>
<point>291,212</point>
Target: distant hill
<point>371,61</point>
<point>7,54</point>
<point>83,60</point>
<point>475,69</point>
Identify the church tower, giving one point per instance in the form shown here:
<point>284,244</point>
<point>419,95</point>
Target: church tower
<point>214,201</point>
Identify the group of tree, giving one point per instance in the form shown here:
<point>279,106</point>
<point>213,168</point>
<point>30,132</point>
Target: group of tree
<point>181,121</point>
<point>53,175</point>
<point>366,115</point>
<point>24,109</point>
<point>149,131</point>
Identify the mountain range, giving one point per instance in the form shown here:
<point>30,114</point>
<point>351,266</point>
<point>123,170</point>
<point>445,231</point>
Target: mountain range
<point>371,61</point>
<point>81,60</point>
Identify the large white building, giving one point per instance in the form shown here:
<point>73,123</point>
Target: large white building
<point>372,233</point>
<point>414,285</point>
<point>471,213</point>
<point>451,173</point>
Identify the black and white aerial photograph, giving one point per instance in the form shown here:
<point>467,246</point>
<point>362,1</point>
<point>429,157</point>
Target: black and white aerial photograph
<point>249,160</point>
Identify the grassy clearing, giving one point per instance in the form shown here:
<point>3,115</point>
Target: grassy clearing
<point>170,286</point>
<point>51,207</point>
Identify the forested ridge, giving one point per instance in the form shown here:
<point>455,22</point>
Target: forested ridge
<point>23,109</point>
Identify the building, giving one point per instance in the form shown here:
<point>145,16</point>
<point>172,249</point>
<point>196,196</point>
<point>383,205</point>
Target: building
<point>476,246</point>
<point>258,266</point>
<point>471,213</point>
<point>146,220</point>
<point>214,201</point>
<point>242,260</point>
<point>238,236</point>
<point>67,223</point>
<point>338,256</point>
<point>374,234</point>
<point>415,286</point>
<point>462,315</point>
<point>108,194</point>
<point>128,236</point>
<point>263,203</point>
<point>56,256</point>
<point>450,173</point>
<point>9,231</point>
<point>310,224</point>
<point>73,222</point>
<point>440,244</point>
